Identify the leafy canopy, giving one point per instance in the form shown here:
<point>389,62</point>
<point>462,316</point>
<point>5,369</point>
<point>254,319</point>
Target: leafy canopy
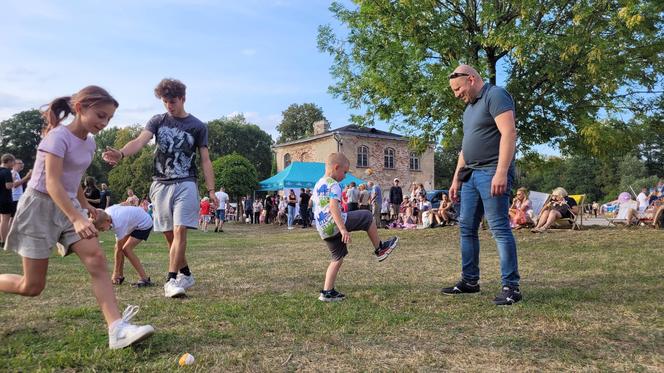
<point>565,63</point>
<point>298,121</point>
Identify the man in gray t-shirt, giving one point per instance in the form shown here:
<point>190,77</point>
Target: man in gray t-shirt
<point>174,193</point>
<point>483,178</point>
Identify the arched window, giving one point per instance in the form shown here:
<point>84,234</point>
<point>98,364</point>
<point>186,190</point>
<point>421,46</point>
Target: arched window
<point>303,157</point>
<point>389,158</point>
<point>414,162</point>
<point>362,156</point>
<point>287,160</point>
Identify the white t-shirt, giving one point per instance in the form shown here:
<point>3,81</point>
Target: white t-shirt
<point>223,199</point>
<point>643,201</point>
<point>127,219</point>
<point>17,192</point>
<point>325,191</point>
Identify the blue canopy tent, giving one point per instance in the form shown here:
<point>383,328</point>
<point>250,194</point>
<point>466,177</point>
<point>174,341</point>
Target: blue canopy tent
<point>301,175</point>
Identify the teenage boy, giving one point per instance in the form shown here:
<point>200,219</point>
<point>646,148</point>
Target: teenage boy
<point>174,192</point>
<point>335,226</point>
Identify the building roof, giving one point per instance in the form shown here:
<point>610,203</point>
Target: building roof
<point>351,130</point>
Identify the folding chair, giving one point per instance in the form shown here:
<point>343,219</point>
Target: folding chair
<point>576,221</point>
<point>621,216</point>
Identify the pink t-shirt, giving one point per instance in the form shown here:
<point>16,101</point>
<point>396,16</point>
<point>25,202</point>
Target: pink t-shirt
<point>76,153</point>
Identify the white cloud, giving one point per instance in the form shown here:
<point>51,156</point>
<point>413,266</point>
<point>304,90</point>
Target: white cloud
<point>248,52</point>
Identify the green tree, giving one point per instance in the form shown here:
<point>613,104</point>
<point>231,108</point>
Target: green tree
<point>229,135</point>
<point>298,121</point>
<point>99,169</point>
<point>566,63</point>
<point>236,174</point>
<point>20,135</point>
<point>132,172</point>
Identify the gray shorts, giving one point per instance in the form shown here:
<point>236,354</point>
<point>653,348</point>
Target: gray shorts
<point>39,225</point>
<point>358,220</point>
<point>174,204</point>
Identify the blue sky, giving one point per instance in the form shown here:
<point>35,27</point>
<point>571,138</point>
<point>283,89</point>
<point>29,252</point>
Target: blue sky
<point>250,56</point>
<point>254,57</point>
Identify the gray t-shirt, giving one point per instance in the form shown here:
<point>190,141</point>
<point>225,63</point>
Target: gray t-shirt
<point>177,140</point>
<point>481,138</point>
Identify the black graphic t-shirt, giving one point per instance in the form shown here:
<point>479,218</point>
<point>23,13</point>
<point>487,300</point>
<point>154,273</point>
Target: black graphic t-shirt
<point>177,140</point>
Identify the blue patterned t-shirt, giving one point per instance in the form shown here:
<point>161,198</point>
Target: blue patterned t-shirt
<point>325,191</point>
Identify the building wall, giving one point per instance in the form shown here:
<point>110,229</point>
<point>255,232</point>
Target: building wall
<point>311,151</point>
<point>317,150</point>
<point>384,176</point>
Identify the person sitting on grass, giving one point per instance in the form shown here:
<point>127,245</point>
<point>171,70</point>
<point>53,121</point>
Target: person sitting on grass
<point>335,226</point>
<point>445,213</point>
<point>131,225</point>
<point>559,206</point>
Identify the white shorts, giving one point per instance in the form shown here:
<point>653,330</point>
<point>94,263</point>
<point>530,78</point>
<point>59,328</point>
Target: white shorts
<point>39,225</point>
<point>174,205</point>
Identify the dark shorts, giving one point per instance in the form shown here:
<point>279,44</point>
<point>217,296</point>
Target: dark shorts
<point>564,211</point>
<point>15,203</point>
<point>358,220</point>
<point>8,208</point>
<point>220,215</point>
<point>141,234</point>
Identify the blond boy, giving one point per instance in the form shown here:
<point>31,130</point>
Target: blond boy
<point>335,226</point>
<point>131,225</point>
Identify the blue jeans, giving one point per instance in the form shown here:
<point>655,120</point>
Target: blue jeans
<point>476,201</point>
<point>291,215</point>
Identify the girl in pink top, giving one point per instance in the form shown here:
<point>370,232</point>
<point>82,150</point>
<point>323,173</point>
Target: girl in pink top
<point>521,211</point>
<point>52,210</point>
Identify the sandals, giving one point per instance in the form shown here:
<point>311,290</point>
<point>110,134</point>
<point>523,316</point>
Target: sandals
<point>143,283</point>
<point>117,280</point>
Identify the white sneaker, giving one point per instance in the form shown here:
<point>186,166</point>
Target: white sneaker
<point>185,282</point>
<point>125,334</point>
<point>172,289</point>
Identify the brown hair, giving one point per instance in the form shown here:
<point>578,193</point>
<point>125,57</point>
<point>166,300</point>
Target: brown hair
<point>6,158</point>
<point>61,107</point>
<point>170,88</point>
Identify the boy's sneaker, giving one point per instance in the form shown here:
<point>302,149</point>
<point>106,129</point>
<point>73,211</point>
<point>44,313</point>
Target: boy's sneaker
<point>125,334</point>
<point>508,296</point>
<point>172,289</point>
<point>144,282</point>
<point>331,296</point>
<point>385,248</point>
<point>185,282</point>
<point>461,287</point>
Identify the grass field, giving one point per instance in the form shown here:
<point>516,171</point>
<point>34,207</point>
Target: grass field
<point>593,301</point>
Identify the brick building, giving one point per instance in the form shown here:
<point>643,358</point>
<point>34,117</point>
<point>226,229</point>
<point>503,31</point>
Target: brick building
<point>387,154</point>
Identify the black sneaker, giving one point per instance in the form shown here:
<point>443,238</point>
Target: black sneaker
<point>142,283</point>
<point>331,296</point>
<point>461,287</point>
<point>385,248</point>
<point>508,296</point>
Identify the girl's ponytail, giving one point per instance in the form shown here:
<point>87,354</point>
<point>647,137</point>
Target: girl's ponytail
<point>55,113</point>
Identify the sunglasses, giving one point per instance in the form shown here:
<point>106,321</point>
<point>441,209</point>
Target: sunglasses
<point>456,75</point>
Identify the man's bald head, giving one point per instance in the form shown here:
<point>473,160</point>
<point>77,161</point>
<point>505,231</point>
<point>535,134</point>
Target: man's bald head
<point>467,70</point>
<point>466,83</point>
